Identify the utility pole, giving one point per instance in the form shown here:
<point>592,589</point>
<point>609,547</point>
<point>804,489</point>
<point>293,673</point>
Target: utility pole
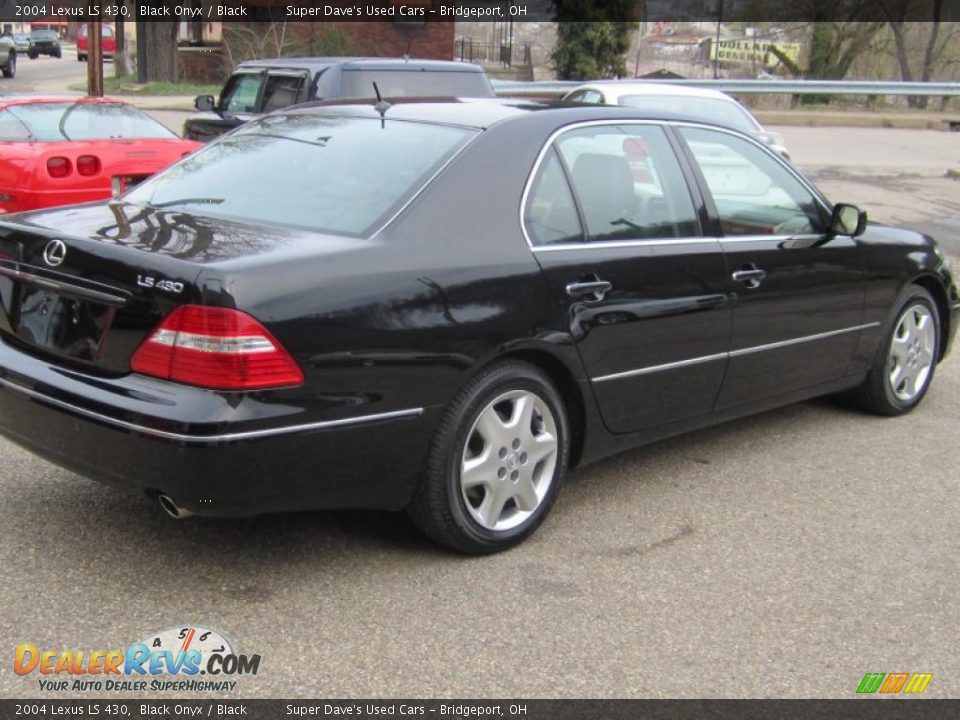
<point>716,56</point>
<point>94,59</point>
<point>641,31</point>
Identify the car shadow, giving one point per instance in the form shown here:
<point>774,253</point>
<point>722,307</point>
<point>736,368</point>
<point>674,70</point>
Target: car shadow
<point>243,554</point>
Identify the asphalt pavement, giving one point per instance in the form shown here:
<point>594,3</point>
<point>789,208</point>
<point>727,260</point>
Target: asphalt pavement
<point>783,555</point>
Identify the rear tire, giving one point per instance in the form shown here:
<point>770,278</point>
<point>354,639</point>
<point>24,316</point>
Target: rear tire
<point>81,58</point>
<point>32,56</point>
<point>906,360</point>
<point>496,461</point>
<point>10,67</point>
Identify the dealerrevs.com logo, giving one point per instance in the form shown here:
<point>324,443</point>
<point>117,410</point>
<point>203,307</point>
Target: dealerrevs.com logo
<point>185,658</point>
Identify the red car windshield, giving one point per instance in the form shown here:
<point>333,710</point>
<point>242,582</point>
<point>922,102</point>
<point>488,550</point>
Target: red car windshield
<point>57,121</point>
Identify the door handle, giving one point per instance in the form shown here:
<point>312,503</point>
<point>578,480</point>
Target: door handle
<point>596,288</point>
<point>750,275</point>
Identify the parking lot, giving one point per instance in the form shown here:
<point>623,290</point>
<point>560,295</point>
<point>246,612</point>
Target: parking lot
<point>783,555</point>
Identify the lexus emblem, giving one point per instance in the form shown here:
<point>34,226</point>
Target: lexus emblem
<point>54,253</point>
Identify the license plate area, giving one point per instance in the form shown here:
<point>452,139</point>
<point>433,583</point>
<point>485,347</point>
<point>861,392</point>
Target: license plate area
<point>60,324</point>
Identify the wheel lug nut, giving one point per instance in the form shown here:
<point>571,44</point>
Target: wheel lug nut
<point>514,475</point>
<point>516,443</point>
<point>501,473</point>
<point>523,458</point>
<point>503,453</point>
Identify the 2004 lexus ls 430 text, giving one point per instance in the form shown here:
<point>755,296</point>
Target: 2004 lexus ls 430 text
<point>443,306</point>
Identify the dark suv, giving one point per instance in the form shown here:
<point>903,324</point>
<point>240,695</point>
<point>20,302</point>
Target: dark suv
<point>44,42</point>
<point>258,87</point>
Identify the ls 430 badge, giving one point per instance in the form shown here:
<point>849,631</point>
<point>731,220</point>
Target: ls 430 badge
<point>171,286</point>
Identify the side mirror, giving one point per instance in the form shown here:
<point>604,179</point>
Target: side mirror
<point>848,220</point>
<point>204,103</point>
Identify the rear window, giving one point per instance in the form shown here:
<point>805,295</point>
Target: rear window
<point>422,83</point>
<point>727,113</point>
<point>330,173</point>
<point>87,121</point>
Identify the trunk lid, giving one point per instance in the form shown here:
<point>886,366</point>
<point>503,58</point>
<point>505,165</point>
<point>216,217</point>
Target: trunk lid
<point>88,297</point>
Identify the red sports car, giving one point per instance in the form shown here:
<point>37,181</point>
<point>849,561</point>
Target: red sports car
<point>60,151</point>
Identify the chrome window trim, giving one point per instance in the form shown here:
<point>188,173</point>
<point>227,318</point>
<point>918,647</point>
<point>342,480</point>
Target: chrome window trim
<point>208,439</point>
<point>733,353</point>
<point>548,143</point>
<point>611,244</point>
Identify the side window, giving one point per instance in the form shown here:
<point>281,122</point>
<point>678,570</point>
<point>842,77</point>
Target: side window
<point>753,192</point>
<point>587,96</point>
<point>11,128</point>
<point>240,94</point>
<point>629,183</point>
<point>106,32</point>
<point>550,216</point>
<point>281,91</point>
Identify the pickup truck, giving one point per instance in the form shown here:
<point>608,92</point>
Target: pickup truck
<point>258,87</point>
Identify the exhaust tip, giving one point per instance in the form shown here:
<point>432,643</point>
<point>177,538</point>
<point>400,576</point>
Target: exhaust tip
<point>171,508</point>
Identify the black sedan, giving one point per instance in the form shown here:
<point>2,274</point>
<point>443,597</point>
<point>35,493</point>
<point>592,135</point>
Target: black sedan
<point>442,307</point>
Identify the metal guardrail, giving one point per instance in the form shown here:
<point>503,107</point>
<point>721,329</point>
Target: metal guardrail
<point>755,87</point>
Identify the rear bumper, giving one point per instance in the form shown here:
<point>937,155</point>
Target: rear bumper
<point>133,434</point>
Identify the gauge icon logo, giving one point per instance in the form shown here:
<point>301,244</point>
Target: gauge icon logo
<point>184,638</point>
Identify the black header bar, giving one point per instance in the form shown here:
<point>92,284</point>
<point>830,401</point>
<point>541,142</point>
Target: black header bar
<point>416,12</point>
<point>859,709</point>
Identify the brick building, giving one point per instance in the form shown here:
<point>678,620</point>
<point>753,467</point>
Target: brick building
<point>393,36</point>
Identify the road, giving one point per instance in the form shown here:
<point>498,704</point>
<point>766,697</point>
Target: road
<point>783,555</point>
<point>47,74</point>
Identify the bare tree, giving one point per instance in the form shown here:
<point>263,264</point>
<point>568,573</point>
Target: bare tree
<point>242,41</point>
<point>120,68</point>
<point>161,43</point>
<point>897,12</point>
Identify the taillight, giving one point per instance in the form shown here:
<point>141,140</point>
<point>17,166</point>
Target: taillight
<point>216,348</point>
<point>59,167</point>
<point>88,165</point>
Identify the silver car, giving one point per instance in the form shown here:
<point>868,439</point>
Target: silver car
<point>712,105</point>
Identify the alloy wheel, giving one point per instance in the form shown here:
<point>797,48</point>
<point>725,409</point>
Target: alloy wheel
<point>912,352</point>
<point>509,460</point>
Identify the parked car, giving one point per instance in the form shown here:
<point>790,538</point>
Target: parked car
<point>8,56</point>
<point>44,42</point>
<point>710,105</point>
<point>108,42</point>
<point>58,151</point>
<point>262,86</point>
<point>21,42</point>
<point>443,306</point>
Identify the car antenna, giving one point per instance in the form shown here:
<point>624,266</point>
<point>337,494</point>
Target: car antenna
<point>381,107</point>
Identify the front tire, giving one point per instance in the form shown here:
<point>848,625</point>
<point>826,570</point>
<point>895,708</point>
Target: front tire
<point>904,366</point>
<point>10,68</point>
<point>496,462</point>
